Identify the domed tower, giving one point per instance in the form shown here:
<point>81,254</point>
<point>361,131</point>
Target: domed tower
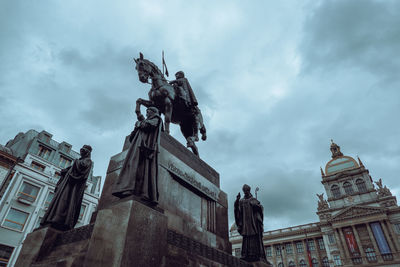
<point>360,223</point>
<point>346,181</point>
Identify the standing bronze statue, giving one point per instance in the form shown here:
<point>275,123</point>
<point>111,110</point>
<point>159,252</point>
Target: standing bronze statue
<point>64,209</point>
<point>139,172</point>
<point>175,100</point>
<point>249,221</point>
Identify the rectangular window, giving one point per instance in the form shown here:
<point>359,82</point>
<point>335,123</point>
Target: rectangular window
<point>28,192</point>
<point>278,250</point>
<point>238,252</point>
<point>5,254</point>
<point>336,260</point>
<point>37,166</point>
<point>64,162</point>
<point>321,244</point>
<point>331,238</point>
<point>299,247</point>
<point>268,251</point>
<point>371,256</point>
<point>311,245</point>
<point>47,138</point>
<point>44,152</point>
<point>82,212</point>
<point>49,198</point>
<point>289,248</point>
<point>15,219</point>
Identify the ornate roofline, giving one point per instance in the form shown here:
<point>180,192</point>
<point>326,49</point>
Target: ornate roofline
<point>343,174</point>
<point>369,211</point>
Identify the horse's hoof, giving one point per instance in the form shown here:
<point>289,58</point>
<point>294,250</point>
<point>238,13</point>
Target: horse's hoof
<point>204,137</point>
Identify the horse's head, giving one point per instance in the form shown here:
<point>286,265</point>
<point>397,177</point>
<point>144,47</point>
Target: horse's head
<point>143,68</point>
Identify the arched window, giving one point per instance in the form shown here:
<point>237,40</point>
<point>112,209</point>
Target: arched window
<point>371,256</point>
<point>280,264</point>
<point>291,264</point>
<point>302,263</point>
<point>325,262</point>
<point>361,186</point>
<point>335,191</point>
<point>314,262</point>
<point>348,188</point>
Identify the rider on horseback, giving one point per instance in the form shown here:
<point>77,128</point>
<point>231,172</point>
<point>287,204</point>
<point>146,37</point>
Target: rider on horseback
<point>186,95</point>
<point>184,90</point>
<point>174,99</point>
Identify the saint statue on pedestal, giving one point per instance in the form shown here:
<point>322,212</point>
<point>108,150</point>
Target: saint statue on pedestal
<point>139,172</point>
<point>249,221</point>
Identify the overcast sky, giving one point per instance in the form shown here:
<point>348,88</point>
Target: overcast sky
<point>275,81</point>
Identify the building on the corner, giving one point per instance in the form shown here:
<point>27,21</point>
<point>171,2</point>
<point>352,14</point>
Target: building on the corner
<point>30,166</point>
<point>359,224</point>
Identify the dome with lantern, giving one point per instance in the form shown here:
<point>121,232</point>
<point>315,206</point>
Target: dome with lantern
<point>339,162</point>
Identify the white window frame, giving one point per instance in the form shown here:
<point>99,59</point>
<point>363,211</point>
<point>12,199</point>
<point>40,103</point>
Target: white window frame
<point>337,260</point>
<point>7,261</point>
<point>16,230</point>
<point>331,238</point>
<point>32,184</point>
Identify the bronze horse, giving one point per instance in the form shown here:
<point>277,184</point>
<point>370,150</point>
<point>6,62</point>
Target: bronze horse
<point>164,96</point>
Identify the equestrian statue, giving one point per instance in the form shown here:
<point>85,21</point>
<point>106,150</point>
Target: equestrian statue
<point>175,99</point>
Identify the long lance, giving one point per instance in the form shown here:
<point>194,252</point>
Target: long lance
<point>164,65</point>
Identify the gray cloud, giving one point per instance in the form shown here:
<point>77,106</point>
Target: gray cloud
<point>354,34</point>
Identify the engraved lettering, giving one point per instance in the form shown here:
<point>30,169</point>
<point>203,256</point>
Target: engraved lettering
<point>192,180</point>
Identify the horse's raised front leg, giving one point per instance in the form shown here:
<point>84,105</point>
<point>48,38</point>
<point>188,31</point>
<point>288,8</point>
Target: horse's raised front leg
<point>167,114</point>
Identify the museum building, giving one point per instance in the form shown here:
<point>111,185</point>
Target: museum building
<point>30,166</point>
<point>359,223</point>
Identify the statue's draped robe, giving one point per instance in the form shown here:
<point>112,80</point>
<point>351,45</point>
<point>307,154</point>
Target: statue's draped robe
<point>63,211</point>
<point>249,221</point>
<point>139,172</point>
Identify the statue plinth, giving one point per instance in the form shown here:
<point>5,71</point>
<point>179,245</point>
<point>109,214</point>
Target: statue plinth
<point>189,226</point>
<point>128,233</point>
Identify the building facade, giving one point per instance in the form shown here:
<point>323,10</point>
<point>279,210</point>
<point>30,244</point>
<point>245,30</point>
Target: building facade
<point>30,169</point>
<point>359,223</point>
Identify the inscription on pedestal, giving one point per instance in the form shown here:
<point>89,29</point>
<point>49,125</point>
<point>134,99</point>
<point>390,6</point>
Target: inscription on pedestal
<point>191,180</point>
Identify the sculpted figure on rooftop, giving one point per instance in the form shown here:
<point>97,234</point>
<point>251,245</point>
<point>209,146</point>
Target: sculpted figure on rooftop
<point>383,191</point>
<point>322,203</point>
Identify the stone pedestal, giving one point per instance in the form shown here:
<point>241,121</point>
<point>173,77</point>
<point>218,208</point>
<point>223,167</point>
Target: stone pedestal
<point>128,234</point>
<point>189,226</point>
<point>36,246</point>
